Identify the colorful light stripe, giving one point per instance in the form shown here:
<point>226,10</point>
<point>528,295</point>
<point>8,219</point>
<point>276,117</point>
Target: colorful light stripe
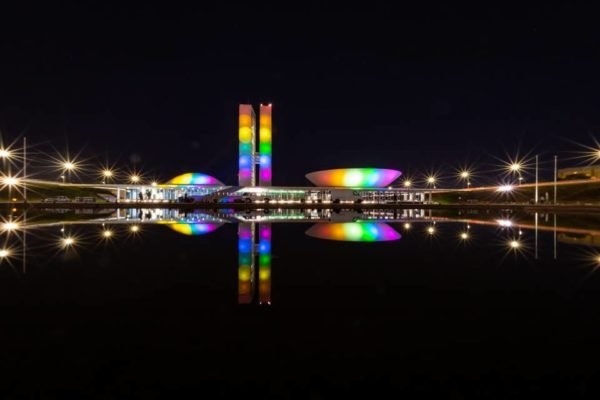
<point>354,177</point>
<point>264,264</point>
<point>354,232</point>
<point>195,178</point>
<point>245,262</point>
<point>247,145</point>
<point>265,146</point>
<point>194,229</point>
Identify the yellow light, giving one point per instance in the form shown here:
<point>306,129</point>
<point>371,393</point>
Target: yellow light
<point>505,188</point>
<point>107,233</point>
<point>515,244</point>
<point>4,253</point>
<point>431,230</point>
<point>431,180</point>
<point>10,181</point>
<point>107,173</point>
<point>68,241</point>
<point>407,226</point>
<point>134,178</point>
<point>464,235</point>
<point>515,167</point>
<point>5,153</point>
<point>135,228</point>
<point>154,183</point>
<point>464,174</point>
<point>10,226</point>
<point>407,183</point>
<point>69,166</point>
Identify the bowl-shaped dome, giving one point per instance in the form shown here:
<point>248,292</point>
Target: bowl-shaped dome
<point>194,229</point>
<point>354,177</point>
<point>354,232</point>
<point>195,178</point>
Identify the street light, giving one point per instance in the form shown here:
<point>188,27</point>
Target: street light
<point>67,167</point>
<point>407,183</point>
<point>5,153</point>
<point>134,178</point>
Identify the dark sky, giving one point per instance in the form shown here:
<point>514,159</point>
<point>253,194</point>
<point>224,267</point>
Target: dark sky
<point>352,85</point>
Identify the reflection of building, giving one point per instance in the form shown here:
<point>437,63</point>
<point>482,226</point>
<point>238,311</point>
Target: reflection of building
<point>248,244</point>
<point>585,172</point>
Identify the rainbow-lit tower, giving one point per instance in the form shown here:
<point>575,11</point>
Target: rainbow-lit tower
<point>249,157</point>
<point>265,177</point>
<point>247,137</point>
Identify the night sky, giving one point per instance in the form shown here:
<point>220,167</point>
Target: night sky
<point>351,85</point>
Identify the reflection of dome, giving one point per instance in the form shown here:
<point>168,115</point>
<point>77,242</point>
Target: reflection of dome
<point>195,178</point>
<point>354,232</point>
<point>354,177</point>
<point>194,229</point>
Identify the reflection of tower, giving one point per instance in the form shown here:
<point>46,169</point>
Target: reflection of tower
<point>245,262</point>
<point>264,263</point>
<point>249,157</point>
<point>247,253</point>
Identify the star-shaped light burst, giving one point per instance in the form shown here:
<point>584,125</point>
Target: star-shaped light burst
<point>107,173</point>
<point>68,166</point>
<point>589,154</point>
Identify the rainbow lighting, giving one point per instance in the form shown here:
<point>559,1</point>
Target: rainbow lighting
<point>194,178</point>
<point>194,229</point>
<point>264,263</point>
<point>354,232</point>
<point>265,130</point>
<point>247,145</point>
<point>245,262</point>
<point>354,177</point>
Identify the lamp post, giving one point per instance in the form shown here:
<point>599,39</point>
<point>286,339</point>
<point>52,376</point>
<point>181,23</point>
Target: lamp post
<point>555,179</point>
<point>431,182</point>
<point>5,155</point>
<point>68,166</point>
<point>536,179</point>
<point>465,175</point>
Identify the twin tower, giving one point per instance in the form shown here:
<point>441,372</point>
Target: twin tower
<point>249,156</point>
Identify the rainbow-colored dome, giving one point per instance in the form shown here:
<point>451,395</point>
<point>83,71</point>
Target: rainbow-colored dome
<point>354,232</point>
<point>354,177</point>
<point>194,229</point>
<point>194,178</point>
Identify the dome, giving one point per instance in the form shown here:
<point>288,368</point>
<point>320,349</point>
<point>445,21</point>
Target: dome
<point>354,177</point>
<point>195,229</point>
<point>195,178</point>
<point>354,232</point>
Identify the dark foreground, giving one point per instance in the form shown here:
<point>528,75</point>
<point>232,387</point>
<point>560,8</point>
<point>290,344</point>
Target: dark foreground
<point>157,316</point>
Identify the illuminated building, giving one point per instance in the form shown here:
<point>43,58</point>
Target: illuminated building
<point>354,177</point>
<point>343,185</point>
<point>247,145</point>
<point>266,146</point>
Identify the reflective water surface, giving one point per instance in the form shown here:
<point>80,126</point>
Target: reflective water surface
<point>299,303</point>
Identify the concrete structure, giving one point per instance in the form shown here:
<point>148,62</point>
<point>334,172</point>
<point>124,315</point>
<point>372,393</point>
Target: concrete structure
<point>589,172</point>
